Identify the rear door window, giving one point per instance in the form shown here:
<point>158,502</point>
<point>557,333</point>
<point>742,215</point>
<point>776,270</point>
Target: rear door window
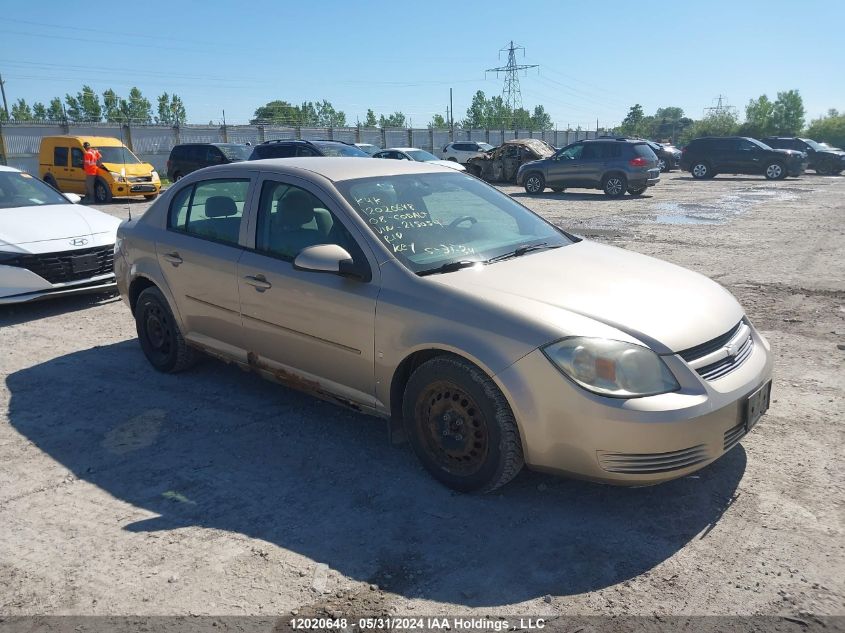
<point>60,156</point>
<point>592,151</point>
<point>210,209</point>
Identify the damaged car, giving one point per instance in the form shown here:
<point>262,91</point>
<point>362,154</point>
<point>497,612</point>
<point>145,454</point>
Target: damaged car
<point>502,164</point>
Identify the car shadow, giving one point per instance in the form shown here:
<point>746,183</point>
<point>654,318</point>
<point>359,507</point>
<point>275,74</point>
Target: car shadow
<point>566,195</point>
<point>219,448</point>
<point>735,178</point>
<point>16,313</point>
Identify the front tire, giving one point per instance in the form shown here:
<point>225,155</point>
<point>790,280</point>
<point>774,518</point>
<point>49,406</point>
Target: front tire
<point>662,165</point>
<point>151,197</point>
<point>535,183</point>
<point>614,186</point>
<point>461,426</point>
<point>160,338</point>
<point>51,181</point>
<point>102,192</point>
<point>774,171</point>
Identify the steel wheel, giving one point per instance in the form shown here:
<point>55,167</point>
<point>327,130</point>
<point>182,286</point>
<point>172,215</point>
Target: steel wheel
<point>102,193</point>
<point>614,186</point>
<point>774,171</point>
<point>661,164</point>
<point>453,429</point>
<point>159,335</point>
<point>535,183</point>
<point>700,170</point>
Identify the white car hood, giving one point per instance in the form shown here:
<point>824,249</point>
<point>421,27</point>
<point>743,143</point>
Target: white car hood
<point>24,226</point>
<point>665,306</point>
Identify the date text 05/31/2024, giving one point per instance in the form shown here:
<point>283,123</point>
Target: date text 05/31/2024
<point>415,624</point>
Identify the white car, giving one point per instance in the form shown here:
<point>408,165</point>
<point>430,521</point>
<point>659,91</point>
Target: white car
<point>462,151</point>
<point>49,245</point>
<point>419,155</point>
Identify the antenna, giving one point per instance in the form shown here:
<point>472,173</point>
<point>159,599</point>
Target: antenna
<point>511,93</point>
<point>123,169</point>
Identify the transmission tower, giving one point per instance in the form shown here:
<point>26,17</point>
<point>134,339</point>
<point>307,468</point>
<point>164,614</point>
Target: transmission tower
<point>511,94</point>
<point>720,107</point>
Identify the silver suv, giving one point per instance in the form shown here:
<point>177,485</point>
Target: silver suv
<point>615,165</point>
<point>462,151</point>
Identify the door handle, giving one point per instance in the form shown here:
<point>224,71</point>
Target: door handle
<point>173,258</point>
<point>259,282</point>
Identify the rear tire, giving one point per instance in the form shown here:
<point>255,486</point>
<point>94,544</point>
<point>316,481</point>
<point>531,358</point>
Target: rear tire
<point>535,183</point>
<point>159,336</point>
<point>774,171</point>
<point>701,171</point>
<point>614,186</point>
<point>453,159</point>
<point>461,426</point>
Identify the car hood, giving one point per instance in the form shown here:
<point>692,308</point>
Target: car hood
<point>26,225</point>
<point>794,153</point>
<point>132,169</point>
<point>667,307</point>
<point>447,163</point>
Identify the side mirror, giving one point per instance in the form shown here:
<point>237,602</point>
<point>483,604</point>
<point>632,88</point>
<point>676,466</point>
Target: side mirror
<point>73,198</point>
<point>332,259</point>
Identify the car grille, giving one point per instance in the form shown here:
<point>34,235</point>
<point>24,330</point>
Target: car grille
<point>713,360</point>
<point>648,463</point>
<point>64,267</point>
<point>733,436</point>
<point>140,179</point>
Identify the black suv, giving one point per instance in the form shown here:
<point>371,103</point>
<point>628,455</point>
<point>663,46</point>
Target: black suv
<point>615,165</point>
<point>288,148</point>
<point>826,161</point>
<point>189,157</point>
<point>710,155</point>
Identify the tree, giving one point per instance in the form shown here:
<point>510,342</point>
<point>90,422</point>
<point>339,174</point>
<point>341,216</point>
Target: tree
<point>55,111</point>
<point>171,111</point>
<point>136,108</point>
<point>21,111</point>
<point>111,106</point>
<point>633,120</point>
<point>758,117</point>
<point>829,128</point>
<point>438,121</point>
<point>670,113</point>
<point>371,120</point>
<point>717,123</point>
<point>327,116</point>
<point>541,119</point>
<point>277,112</point>
<point>85,106</point>
<point>39,111</point>
<point>397,119</point>
<point>788,113</point>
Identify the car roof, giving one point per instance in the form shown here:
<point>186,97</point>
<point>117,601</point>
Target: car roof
<point>102,141</point>
<point>337,169</point>
<point>5,168</point>
<point>402,149</point>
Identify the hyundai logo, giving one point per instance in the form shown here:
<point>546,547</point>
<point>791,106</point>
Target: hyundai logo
<point>78,241</point>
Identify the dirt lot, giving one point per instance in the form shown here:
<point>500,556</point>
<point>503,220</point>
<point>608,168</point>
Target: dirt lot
<point>123,491</point>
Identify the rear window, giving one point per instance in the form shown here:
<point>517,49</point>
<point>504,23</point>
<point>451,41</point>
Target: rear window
<point>275,151</point>
<point>340,149</point>
<point>235,152</point>
<point>641,149</point>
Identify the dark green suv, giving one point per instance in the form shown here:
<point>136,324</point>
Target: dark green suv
<point>615,165</point>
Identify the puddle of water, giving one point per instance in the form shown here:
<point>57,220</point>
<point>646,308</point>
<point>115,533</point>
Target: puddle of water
<point>678,218</point>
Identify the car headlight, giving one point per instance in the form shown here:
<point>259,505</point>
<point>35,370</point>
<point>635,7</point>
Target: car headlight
<point>154,174</point>
<point>117,177</point>
<point>611,368</point>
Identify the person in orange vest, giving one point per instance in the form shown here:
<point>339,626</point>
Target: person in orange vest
<point>90,161</point>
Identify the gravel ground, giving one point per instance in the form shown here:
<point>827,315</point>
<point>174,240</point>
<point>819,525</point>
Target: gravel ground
<point>123,491</point>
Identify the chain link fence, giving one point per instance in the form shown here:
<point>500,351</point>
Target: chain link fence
<point>20,142</point>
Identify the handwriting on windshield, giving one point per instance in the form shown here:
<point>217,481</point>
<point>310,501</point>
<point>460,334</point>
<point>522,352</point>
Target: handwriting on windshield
<point>402,227</point>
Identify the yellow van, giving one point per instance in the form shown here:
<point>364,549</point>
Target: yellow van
<point>61,165</point>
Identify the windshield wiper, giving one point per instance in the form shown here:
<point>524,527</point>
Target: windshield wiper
<point>520,251</point>
<point>448,267</point>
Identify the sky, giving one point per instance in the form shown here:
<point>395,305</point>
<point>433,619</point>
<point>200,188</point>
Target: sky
<point>595,59</point>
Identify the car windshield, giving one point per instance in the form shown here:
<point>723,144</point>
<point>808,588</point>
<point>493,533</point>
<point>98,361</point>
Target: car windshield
<point>235,152</point>
<point>18,189</point>
<point>370,149</point>
<point>431,220</point>
<point>339,149</point>
<point>118,155</point>
<point>816,146</point>
<point>421,155</point>
<point>759,144</point>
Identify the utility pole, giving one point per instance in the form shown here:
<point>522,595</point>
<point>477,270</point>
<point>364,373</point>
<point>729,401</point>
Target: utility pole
<point>451,113</point>
<point>511,93</point>
<point>3,90</point>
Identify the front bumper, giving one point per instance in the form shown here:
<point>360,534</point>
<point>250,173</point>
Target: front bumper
<point>568,430</point>
<point>100,283</point>
<point>798,169</point>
